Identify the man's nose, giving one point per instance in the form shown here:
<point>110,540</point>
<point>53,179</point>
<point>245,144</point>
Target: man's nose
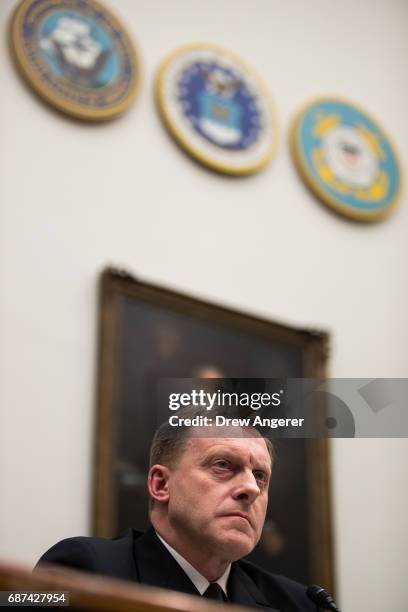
<point>247,488</point>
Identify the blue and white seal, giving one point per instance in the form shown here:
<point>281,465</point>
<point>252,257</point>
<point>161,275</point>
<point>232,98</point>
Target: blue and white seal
<point>346,159</point>
<point>217,109</point>
<point>76,55</point>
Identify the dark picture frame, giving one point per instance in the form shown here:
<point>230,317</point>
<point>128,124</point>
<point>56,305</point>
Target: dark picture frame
<point>148,332</point>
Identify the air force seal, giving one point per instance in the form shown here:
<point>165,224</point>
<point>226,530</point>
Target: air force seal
<point>346,159</point>
<point>76,55</point>
<point>217,109</point>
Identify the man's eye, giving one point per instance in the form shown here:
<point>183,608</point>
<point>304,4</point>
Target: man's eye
<point>260,476</point>
<point>223,464</point>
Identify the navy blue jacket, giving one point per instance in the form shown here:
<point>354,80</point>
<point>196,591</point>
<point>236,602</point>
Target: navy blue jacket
<point>141,557</point>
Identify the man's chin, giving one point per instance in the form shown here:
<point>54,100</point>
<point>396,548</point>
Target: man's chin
<point>235,543</point>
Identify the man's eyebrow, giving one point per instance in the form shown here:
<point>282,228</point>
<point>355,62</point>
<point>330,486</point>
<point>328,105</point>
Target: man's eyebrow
<point>221,451</point>
<point>232,454</point>
<point>261,464</point>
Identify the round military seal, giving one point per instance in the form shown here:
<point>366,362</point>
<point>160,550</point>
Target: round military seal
<point>346,159</point>
<point>76,55</point>
<point>217,109</point>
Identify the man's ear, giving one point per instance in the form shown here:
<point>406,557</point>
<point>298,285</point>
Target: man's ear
<point>158,483</point>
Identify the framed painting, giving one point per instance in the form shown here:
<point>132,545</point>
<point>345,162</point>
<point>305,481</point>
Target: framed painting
<point>148,333</point>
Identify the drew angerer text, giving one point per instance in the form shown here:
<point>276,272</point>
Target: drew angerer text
<point>222,421</point>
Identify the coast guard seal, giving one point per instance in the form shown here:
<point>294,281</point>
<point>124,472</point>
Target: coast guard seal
<point>346,159</point>
<point>76,55</point>
<point>217,109</point>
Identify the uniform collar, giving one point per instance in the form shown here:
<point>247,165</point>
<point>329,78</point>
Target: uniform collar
<point>200,582</point>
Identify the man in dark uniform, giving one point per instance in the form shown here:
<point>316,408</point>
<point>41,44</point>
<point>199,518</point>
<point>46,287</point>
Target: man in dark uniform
<point>208,500</point>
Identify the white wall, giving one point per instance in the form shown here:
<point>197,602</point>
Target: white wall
<point>75,197</point>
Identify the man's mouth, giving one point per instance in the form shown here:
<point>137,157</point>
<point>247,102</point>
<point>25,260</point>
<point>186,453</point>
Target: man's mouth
<point>239,515</point>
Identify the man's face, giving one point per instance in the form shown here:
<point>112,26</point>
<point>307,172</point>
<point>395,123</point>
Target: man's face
<point>218,494</point>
